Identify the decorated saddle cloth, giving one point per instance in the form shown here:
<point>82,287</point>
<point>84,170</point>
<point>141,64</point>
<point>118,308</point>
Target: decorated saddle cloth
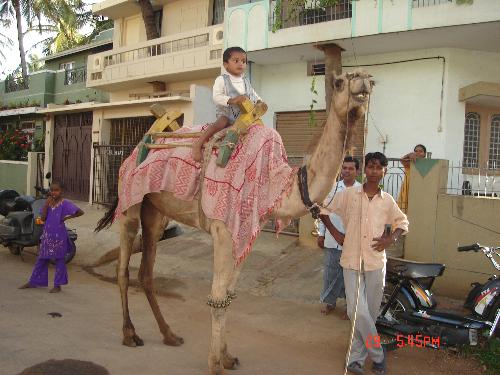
<point>240,194</point>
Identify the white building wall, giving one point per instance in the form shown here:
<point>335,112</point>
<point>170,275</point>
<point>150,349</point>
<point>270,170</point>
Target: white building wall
<point>464,68</point>
<point>406,101</point>
<point>286,88</point>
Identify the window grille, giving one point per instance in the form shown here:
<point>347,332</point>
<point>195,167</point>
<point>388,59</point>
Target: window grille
<point>471,140</point>
<point>494,154</point>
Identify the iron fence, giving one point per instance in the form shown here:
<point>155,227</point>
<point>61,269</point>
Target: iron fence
<point>429,3</point>
<point>77,75</point>
<point>394,180</point>
<point>16,84</point>
<point>478,182</point>
<point>284,15</point>
<point>107,162</point>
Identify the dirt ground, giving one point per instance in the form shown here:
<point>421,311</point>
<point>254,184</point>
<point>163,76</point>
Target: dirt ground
<point>269,334</point>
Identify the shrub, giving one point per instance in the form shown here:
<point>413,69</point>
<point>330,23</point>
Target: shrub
<point>14,145</point>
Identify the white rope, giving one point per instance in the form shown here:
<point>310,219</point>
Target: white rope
<point>360,264</point>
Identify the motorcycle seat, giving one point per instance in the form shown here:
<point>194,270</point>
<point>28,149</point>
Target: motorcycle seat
<point>7,201</point>
<point>412,269</point>
<point>23,202</point>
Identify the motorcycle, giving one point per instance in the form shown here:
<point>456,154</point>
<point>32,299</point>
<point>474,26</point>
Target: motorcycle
<point>409,315</point>
<point>20,227</point>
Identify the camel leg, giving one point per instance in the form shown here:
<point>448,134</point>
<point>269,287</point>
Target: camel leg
<point>223,271</point>
<point>129,225</point>
<point>229,361</point>
<point>152,229</point>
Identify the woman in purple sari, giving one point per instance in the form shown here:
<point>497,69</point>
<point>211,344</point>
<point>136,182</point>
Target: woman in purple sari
<point>54,242</point>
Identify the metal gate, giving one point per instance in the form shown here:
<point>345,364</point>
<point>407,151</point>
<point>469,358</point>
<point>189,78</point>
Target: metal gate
<point>71,158</point>
<point>107,162</point>
<point>125,134</point>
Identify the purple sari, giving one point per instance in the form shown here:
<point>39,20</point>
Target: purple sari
<point>54,242</point>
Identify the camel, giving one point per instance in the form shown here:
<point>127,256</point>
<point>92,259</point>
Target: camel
<point>349,101</point>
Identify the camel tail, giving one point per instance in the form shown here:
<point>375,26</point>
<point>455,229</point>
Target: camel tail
<point>107,219</point>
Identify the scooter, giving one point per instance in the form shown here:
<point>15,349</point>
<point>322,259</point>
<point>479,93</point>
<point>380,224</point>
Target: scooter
<point>409,315</point>
<point>20,228</point>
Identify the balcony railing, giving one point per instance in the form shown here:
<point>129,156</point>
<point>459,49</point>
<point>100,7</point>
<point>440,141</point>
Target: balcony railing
<point>428,3</point>
<point>284,15</point>
<point>16,84</point>
<point>77,75</point>
<point>158,49</point>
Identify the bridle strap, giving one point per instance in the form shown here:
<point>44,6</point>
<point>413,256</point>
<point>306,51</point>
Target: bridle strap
<point>313,208</point>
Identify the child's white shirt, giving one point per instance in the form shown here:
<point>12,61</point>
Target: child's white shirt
<point>219,90</point>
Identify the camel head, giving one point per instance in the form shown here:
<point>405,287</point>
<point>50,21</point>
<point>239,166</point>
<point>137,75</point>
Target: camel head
<point>351,92</point>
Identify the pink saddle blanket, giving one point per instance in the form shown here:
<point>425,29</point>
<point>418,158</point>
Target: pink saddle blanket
<point>241,195</point>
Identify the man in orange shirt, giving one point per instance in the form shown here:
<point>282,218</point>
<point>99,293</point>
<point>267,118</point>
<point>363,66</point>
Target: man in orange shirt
<point>365,212</point>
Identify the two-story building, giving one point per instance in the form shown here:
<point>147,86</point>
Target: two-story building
<point>61,83</point>
<point>175,70</point>
<point>435,63</point>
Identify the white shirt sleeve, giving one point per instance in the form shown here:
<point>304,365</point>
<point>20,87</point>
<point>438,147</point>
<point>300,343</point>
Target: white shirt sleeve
<point>219,92</point>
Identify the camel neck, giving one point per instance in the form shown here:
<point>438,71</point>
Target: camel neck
<point>325,161</point>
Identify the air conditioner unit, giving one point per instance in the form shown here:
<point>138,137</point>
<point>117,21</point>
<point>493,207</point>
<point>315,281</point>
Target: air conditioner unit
<point>218,35</point>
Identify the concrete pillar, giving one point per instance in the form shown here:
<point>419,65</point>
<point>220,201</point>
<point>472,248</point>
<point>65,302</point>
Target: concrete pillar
<point>428,179</point>
<point>49,147</point>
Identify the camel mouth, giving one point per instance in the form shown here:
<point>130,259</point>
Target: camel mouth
<point>362,96</point>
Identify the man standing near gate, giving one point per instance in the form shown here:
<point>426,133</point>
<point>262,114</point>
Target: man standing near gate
<point>331,238</point>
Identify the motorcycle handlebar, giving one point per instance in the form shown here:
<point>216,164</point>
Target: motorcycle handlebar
<point>474,247</point>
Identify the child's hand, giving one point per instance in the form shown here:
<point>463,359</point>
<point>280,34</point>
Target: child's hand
<point>237,100</point>
<point>263,104</point>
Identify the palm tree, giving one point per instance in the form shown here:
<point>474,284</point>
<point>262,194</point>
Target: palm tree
<point>11,10</point>
<point>148,17</point>
<point>5,43</point>
<point>62,13</point>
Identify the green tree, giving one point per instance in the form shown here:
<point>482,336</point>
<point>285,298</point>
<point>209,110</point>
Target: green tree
<point>62,17</point>
<point>5,43</point>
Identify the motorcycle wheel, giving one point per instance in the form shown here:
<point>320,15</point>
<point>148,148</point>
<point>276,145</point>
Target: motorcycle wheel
<point>400,305</point>
<point>492,317</point>
<point>15,249</point>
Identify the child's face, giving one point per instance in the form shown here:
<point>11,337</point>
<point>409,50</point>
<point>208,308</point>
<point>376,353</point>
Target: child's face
<point>55,191</point>
<point>237,63</point>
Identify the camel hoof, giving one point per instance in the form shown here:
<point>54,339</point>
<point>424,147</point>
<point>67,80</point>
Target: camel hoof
<point>231,363</point>
<point>132,341</point>
<point>173,341</point>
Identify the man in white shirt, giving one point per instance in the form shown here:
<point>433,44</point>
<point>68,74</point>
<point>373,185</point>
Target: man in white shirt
<point>331,238</point>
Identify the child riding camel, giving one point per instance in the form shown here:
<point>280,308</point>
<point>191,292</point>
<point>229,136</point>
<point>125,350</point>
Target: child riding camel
<point>230,89</point>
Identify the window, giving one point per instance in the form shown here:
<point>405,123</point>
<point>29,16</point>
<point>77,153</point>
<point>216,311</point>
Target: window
<point>67,65</point>
<point>218,12</point>
<point>482,138</point>
<point>494,154</point>
<point>158,20</point>
<point>315,68</point>
<point>471,140</point>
